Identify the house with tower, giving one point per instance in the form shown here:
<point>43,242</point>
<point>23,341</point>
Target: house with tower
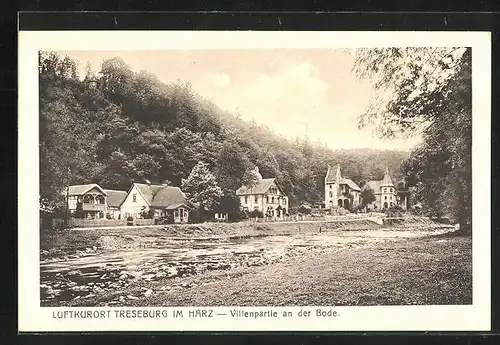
<point>340,191</point>
<point>386,194</point>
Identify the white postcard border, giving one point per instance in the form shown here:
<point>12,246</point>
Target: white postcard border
<point>33,318</point>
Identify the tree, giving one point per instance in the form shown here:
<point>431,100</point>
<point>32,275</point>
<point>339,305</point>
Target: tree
<point>250,178</point>
<point>367,196</point>
<point>229,203</point>
<point>428,91</point>
<point>201,187</point>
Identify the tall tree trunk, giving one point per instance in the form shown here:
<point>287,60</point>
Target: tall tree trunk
<point>464,207</point>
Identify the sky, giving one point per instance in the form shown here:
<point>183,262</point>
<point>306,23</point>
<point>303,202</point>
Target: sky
<point>295,92</point>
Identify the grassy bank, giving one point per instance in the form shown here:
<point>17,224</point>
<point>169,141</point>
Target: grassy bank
<point>425,271</point>
<point>431,270</point>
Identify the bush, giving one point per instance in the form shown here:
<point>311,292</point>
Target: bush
<point>256,214</point>
<point>147,214</point>
<point>199,216</point>
<point>168,219</point>
<point>238,215</point>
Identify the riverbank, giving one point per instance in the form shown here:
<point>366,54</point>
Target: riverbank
<point>420,271</point>
<point>63,243</point>
<point>128,268</point>
<point>68,243</point>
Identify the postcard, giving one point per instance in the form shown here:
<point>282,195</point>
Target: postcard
<point>254,181</point>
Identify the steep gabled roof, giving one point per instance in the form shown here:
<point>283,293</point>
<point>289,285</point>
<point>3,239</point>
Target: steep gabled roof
<point>261,187</point>
<point>84,188</point>
<point>115,197</point>
<point>169,197</point>
<point>331,174</point>
<point>161,196</point>
<point>350,183</point>
<point>387,181</point>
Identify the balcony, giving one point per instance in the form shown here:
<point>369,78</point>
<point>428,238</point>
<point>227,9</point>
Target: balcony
<point>93,207</point>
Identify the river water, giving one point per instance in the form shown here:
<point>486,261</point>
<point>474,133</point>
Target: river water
<point>97,272</point>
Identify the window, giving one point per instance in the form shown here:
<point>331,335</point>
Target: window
<point>134,197</point>
<point>176,213</point>
<point>256,199</point>
<point>331,194</point>
<point>391,197</point>
<point>246,199</point>
<point>330,186</point>
<point>386,197</point>
<point>272,200</point>
<point>385,190</point>
<point>284,201</point>
<point>267,200</point>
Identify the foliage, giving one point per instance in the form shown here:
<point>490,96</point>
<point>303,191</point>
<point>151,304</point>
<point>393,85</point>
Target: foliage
<point>367,196</point>
<point>304,209</point>
<point>147,214</point>
<point>427,91</point>
<point>201,187</point>
<point>115,126</point>
<point>256,214</point>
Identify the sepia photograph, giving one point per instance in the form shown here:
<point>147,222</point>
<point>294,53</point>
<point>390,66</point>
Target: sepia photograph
<point>272,177</point>
<point>261,177</point>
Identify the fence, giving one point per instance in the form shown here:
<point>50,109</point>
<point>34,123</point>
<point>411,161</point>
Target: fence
<point>327,218</point>
<point>95,223</point>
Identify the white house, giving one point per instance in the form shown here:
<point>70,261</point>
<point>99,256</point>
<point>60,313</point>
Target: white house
<point>113,202</point>
<point>87,199</point>
<point>144,200</point>
<point>386,194</point>
<point>264,196</point>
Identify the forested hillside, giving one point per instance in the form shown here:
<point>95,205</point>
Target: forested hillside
<point>116,126</point>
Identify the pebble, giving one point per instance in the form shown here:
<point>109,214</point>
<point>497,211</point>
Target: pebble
<point>148,293</point>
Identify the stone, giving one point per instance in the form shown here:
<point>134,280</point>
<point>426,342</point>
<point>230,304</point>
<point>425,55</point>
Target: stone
<point>132,297</point>
<point>148,293</point>
<point>122,277</point>
<point>160,275</point>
